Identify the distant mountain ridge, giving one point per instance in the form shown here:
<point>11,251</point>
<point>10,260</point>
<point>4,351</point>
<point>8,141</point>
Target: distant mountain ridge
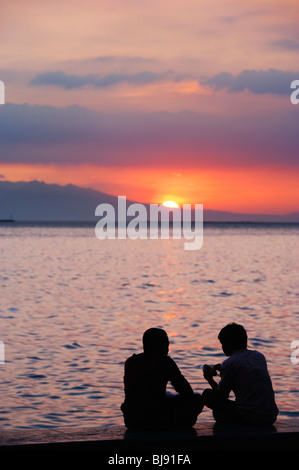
<point>38,201</point>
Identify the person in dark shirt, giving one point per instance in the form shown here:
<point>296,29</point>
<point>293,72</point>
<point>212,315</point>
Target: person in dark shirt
<point>147,404</point>
<point>244,373</point>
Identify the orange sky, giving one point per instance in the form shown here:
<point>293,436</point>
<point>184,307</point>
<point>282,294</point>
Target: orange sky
<point>132,69</point>
<point>231,190</point>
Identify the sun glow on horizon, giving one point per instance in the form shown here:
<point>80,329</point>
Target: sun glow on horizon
<point>171,204</point>
<point>233,190</point>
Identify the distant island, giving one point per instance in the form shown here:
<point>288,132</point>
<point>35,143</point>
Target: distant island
<point>37,201</point>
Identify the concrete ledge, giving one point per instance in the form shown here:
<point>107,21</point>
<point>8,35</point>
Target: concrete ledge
<point>283,435</point>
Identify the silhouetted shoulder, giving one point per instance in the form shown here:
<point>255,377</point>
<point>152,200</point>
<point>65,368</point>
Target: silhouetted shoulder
<point>246,358</point>
<point>171,363</point>
<point>133,360</point>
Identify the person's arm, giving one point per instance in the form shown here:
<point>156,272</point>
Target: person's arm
<point>209,373</point>
<point>131,382</point>
<point>225,385</point>
<point>177,380</point>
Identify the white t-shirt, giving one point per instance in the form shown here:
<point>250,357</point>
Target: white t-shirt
<point>246,374</point>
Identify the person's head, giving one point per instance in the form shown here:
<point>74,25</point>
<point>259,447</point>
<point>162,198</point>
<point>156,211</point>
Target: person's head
<point>232,337</point>
<point>155,341</point>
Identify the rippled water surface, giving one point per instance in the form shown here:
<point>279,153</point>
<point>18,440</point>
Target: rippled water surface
<point>73,308</point>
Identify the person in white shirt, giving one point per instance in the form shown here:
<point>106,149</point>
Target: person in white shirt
<point>244,373</point>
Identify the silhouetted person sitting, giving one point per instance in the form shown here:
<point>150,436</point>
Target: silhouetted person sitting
<point>245,373</point>
<point>147,405</point>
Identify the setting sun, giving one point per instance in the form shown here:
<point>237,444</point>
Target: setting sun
<point>170,204</point>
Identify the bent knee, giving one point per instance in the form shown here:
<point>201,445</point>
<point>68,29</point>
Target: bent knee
<point>208,396</point>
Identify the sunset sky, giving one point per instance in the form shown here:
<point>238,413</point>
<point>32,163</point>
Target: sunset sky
<point>187,100</point>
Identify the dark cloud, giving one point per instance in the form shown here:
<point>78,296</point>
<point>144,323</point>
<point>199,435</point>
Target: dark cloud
<point>74,135</point>
<point>286,44</point>
<point>125,59</point>
<point>45,124</point>
<point>256,81</point>
<point>228,19</point>
<point>69,81</point>
<point>105,58</point>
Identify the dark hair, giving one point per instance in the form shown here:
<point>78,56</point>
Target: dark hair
<point>234,335</point>
<point>155,339</point>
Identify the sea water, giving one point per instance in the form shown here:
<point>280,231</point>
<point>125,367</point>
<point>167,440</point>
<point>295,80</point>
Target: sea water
<point>73,308</point>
